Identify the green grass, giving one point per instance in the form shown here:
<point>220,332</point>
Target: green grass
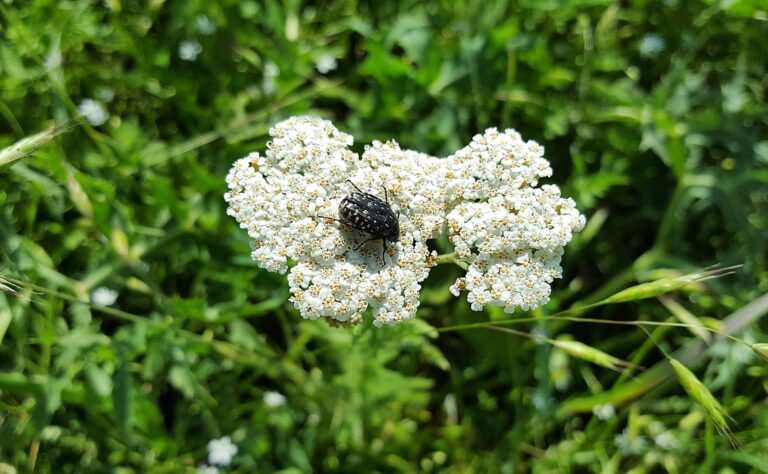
<point>653,115</point>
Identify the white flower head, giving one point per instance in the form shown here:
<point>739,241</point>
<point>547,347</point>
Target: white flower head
<point>204,25</point>
<point>651,45</point>
<point>274,399</point>
<point>93,111</point>
<point>508,232</point>
<point>189,50</point>
<point>205,469</point>
<point>325,63</point>
<point>665,440</point>
<point>282,200</point>
<point>221,451</point>
<point>104,296</point>
<point>53,58</point>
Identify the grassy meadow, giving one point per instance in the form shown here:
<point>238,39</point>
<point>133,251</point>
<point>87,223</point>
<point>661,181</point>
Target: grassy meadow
<point>135,328</point>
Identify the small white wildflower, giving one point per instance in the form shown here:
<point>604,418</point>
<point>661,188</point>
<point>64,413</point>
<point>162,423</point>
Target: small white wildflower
<point>204,25</point>
<point>221,451</point>
<point>274,399</point>
<point>53,59</point>
<point>271,71</point>
<point>630,444</point>
<point>509,233</point>
<point>93,111</point>
<point>189,50</point>
<point>604,412</point>
<point>104,296</point>
<point>651,45</point>
<point>205,469</point>
<point>325,63</point>
<point>665,440</point>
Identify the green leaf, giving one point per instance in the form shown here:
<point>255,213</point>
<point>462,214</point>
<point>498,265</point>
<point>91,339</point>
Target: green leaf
<point>182,379</point>
<point>122,397</point>
<point>244,335</point>
<point>298,457</point>
<point>48,400</point>
<point>98,380</point>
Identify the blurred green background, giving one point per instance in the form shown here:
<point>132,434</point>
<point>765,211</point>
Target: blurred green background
<point>653,114</point>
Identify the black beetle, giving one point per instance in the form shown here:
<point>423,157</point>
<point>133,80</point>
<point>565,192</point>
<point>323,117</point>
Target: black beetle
<point>369,214</point>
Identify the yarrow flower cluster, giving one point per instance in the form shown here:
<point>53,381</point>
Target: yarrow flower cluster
<point>221,451</point>
<point>509,233</point>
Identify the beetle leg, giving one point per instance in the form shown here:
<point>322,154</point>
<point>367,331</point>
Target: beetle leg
<point>364,242</point>
<point>383,246</point>
<point>331,218</point>
<point>353,185</point>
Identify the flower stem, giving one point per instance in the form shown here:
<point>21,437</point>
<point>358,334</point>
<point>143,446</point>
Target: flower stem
<point>452,258</point>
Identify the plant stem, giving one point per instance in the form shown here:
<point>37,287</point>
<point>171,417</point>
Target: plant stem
<point>452,258</point>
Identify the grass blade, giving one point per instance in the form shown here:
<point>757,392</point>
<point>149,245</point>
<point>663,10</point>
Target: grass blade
<point>701,395</point>
<point>662,286</point>
<point>622,394</point>
<point>684,316</point>
<point>28,145</point>
<point>761,350</point>
<point>590,354</point>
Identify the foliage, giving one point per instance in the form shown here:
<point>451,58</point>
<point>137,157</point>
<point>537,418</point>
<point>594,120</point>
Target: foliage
<point>652,113</point>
